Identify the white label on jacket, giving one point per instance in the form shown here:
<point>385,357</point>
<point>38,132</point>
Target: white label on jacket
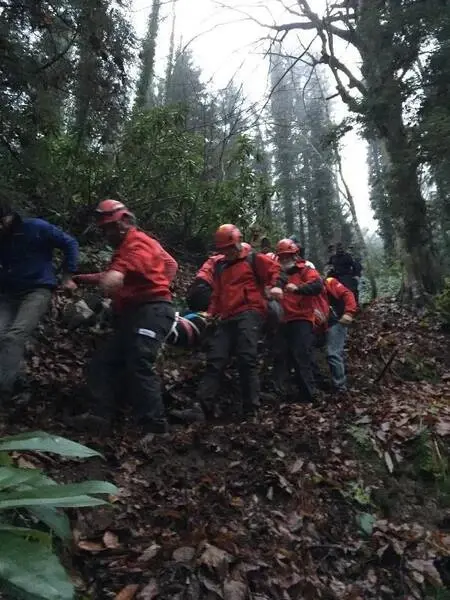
<point>148,332</point>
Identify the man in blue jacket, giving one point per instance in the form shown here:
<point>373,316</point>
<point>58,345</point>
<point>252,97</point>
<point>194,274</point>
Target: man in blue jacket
<point>27,280</point>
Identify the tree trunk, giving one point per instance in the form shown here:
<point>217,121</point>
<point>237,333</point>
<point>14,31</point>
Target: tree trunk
<point>170,56</point>
<point>144,94</point>
<point>359,235</point>
<point>408,207</point>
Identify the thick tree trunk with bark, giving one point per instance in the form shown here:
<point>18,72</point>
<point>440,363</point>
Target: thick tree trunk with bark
<point>378,96</point>
<point>408,207</point>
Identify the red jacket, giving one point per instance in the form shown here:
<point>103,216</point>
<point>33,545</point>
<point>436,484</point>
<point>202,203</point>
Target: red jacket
<point>299,306</point>
<point>170,264</point>
<point>206,271</point>
<point>140,259</point>
<point>342,300</point>
<point>236,289</point>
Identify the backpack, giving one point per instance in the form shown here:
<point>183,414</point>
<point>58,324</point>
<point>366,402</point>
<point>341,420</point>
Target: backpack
<point>274,309</point>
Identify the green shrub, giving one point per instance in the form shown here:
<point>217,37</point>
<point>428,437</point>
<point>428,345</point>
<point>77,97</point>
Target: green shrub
<point>31,517</point>
<point>443,302</point>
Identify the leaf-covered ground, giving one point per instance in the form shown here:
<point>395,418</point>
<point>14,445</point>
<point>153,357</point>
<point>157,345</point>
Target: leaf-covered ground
<point>348,499</point>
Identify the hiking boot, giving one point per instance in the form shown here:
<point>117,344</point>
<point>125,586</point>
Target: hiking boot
<point>189,415</point>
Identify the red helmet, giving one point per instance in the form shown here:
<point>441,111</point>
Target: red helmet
<point>111,211</point>
<point>287,246</point>
<point>226,236</point>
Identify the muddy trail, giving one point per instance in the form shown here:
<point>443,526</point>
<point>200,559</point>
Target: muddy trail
<point>348,499</point>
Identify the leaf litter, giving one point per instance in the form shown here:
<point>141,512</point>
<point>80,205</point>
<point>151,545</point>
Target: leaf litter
<point>268,508</point>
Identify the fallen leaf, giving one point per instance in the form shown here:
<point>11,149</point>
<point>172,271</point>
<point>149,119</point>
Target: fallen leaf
<point>215,558</point>
<point>90,546</point>
<point>366,522</point>
<point>365,420</point>
<point>210,585</point>
<point>128,592</point>
<point>443,427</point>
<point>237,502</point>
<point>296,467</point>
<point>111,540</point>
<point>234,590</point>
<point>150,591</point>
<point>388,461</point>
<point>284,484</point>
<point>149,553</point>
<point>183,554</point>
<point>426,568</point>
<point>294,522</point>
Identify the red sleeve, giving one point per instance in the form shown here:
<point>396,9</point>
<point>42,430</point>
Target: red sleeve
<point>340,292</point>
<point>206,271</point>
<point>171,265</point>
<point>89,278</point>
<point>268,270</point>
<point>141,258</point>
<point>312,284</point>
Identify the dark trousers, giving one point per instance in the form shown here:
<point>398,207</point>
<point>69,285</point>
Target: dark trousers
<point>20,314</point>
<point>294,347</point>
<point>123,370</point>
<point>238,335</point>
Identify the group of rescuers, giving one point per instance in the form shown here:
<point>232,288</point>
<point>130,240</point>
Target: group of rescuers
<point>239,293</point>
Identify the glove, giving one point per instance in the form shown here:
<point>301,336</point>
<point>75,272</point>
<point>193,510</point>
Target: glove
<point>276,293</point>
<point>211,319</point>
<point>291,287</point>
<point>346,320</point>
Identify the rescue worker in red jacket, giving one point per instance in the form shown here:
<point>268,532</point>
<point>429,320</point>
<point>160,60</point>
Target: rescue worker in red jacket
<point>342,310</point>
<point>298,304</point>
<point>239,304</point>
<point>137,280</point>
<point>200,291</point>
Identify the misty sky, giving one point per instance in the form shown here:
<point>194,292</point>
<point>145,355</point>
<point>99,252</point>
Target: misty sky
<point>227,43</point>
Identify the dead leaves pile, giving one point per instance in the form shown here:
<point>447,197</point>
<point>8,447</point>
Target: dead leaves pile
<point>284,506</point>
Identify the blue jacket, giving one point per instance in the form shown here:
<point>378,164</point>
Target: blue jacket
<point>26,255</point>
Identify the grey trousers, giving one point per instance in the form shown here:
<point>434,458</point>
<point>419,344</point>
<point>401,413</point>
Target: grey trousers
<point>20,314</point>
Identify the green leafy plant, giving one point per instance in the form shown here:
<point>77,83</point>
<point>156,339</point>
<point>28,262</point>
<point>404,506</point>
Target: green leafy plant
<point>443,303</point>
<point>361,436</point>
<point>31,517</point>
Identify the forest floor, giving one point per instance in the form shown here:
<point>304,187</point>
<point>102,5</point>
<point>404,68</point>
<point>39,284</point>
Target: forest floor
<point>348,499</point>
